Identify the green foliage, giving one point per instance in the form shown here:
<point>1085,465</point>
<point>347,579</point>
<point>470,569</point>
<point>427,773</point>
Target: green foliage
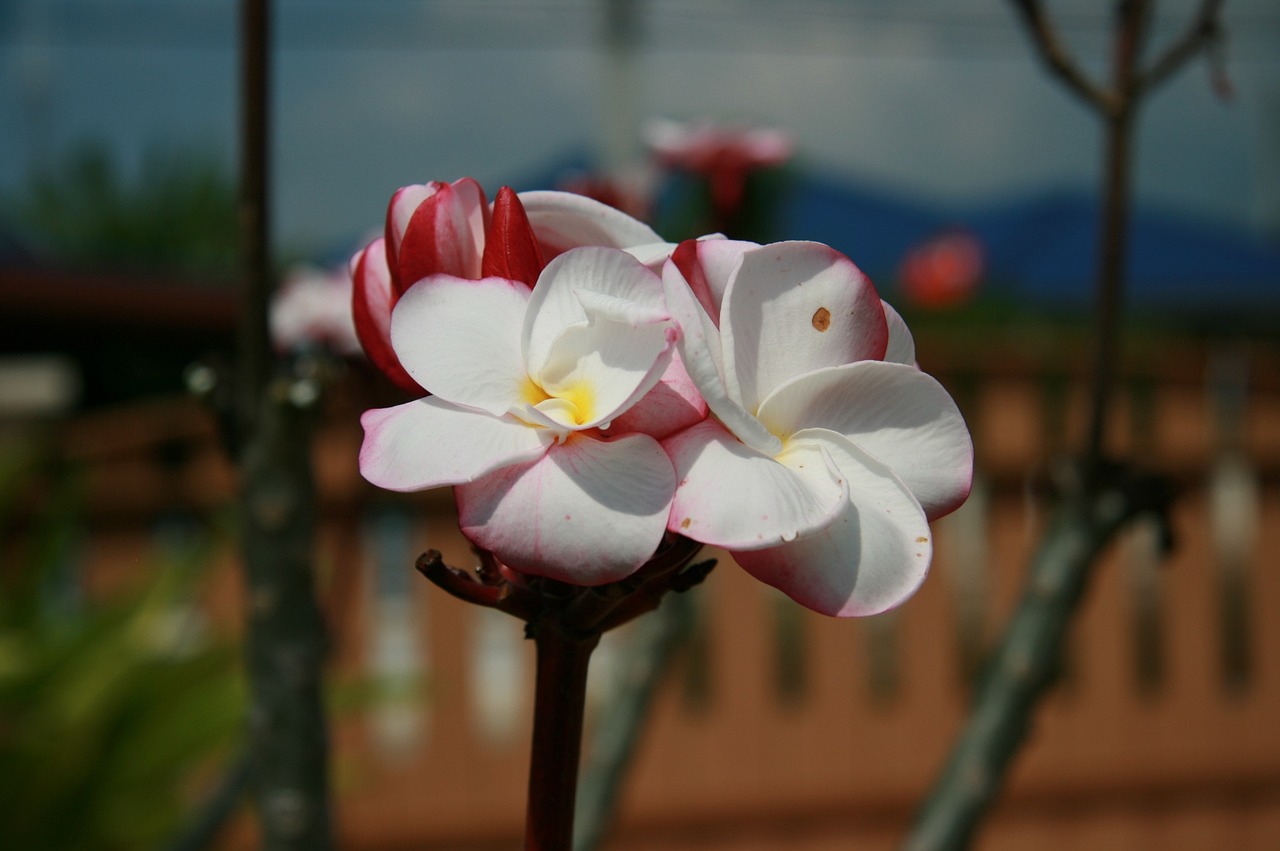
<point>178,215</point>
<point>106,709</point>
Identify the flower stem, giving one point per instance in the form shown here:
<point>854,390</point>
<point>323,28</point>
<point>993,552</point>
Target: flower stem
<point>565,623</point>
<point>559,703</point>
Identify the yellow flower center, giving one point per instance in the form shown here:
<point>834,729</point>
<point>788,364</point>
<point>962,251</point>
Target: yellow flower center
<point>532,393</point>
<point>571,403</point>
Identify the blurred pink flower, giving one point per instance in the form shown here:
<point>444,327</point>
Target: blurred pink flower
<point>723,153</point>
<point>944,270</point>
<point>312,308</point>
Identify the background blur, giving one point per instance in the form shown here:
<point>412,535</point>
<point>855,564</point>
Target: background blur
<point>921,137</point>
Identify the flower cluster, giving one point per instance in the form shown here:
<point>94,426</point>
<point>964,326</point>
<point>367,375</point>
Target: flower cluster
<point>589,389</point>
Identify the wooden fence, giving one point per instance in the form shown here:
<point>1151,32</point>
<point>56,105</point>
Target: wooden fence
<point>781,729</point>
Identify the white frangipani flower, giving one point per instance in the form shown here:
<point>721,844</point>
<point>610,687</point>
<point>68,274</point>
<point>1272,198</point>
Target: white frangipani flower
<point>524,386</point>
<point>829,451</point>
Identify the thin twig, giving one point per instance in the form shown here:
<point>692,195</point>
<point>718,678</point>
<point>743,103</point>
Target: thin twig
<point>1055,56</point>
<point>1113,223</point>
<point>1205,29</point>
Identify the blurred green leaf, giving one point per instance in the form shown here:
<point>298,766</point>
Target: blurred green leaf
<point>177,215</point>
<point>108,710</point>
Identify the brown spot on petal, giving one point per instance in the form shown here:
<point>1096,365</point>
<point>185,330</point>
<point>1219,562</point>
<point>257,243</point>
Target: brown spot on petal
<point>822,319</point>
<point>684,524</point>
<point>922,540</point>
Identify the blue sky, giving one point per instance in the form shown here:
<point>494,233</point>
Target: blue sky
<point>938,100</point>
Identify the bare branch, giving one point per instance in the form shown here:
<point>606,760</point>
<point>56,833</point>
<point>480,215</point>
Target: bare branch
<point>1205,29</point>
<point>1025,663</point>
<point>1055,56</point>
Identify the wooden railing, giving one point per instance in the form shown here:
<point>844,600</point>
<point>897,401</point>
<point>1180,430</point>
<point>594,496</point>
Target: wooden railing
<point>782,729</point>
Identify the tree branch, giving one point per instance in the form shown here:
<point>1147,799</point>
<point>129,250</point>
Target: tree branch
<point>1055,56</point>
<point>285,642</point>
<point>1026,662</point>
<point>1096,504</point>
<point>1205,29</point>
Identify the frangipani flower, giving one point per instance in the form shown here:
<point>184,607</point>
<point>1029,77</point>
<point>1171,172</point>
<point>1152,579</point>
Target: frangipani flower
<point>829,451</point>
<point>526,386</point>
<point>449,228</point>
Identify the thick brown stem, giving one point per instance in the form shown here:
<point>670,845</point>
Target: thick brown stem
<point>559,702</point>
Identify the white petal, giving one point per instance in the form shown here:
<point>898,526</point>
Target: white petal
<point>734,497</point>
<point>588,512</point>
<point>576,276</point>
<point>564,220</point>
<point>652,254</point>
<point>673,404</point>
<point>428,443</point>
<point>794,307</point>
<point>460,340</point>
<point>614,309</point>
<point>902,346</point>
<point>717,261</point>
<point>895,412</point>
<point>870,559</point>
<point>604,367</point>
<point>562,415</point>
<point>700,349</point>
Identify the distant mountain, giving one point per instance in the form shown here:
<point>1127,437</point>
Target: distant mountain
<point>1041,248</point>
